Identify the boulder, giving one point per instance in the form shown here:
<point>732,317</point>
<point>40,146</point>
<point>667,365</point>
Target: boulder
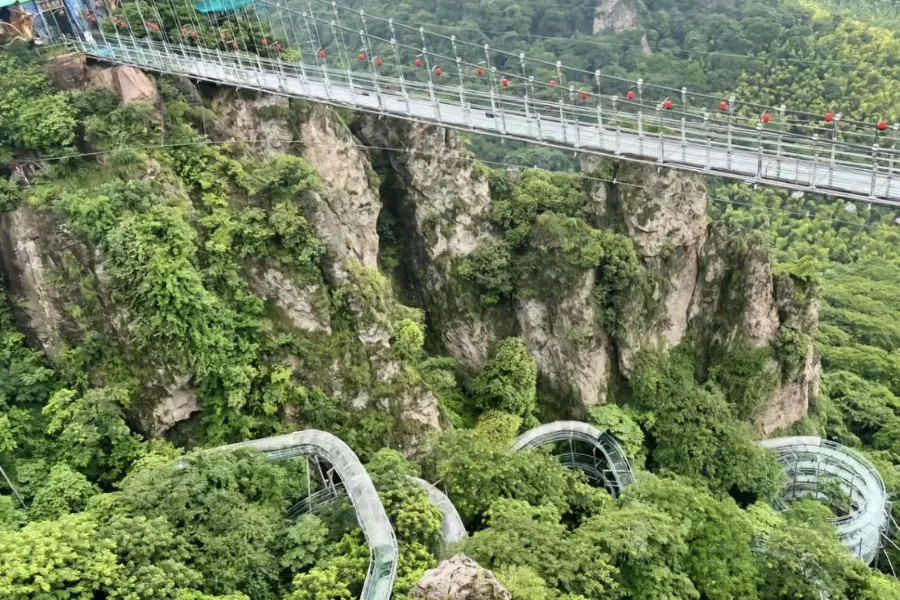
<point>459,578</point>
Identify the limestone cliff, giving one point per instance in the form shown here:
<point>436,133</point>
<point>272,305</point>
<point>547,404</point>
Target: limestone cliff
<point>698,284</point>
<point>665,214</point>
<point>443,201</point>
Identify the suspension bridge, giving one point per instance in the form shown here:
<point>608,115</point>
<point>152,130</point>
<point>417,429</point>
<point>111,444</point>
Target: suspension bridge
<point>324,52</point>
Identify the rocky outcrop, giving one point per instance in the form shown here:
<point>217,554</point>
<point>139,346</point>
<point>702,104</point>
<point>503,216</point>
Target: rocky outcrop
<point>445,201</point>
<point>66,71</point>
<point>665,215</point>
<point>569,347</point>
<point>617,15</point>
<point>346,211</point>
<point>305,306</point>
<point>262,121</point>
<point>69,72</point>
<point>29,259</point>
<point>459,578</point>
<point>178,404</point>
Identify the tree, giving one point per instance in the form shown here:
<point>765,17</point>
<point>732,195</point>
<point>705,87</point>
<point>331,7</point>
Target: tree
<point>509,381</point>
<point>226,507</point>
<point>694,433</point>
<point>62,559</point>
<point>719,560</point>
<point>477,471</point>
<point>91,432</point>
<point>64,491</point>
<point>802,556</point>
<point>320,584</point>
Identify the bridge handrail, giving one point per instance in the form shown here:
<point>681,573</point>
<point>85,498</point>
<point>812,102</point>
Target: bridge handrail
<point>373,520</point>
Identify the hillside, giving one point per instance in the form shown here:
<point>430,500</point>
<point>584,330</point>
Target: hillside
<point>184,266</point>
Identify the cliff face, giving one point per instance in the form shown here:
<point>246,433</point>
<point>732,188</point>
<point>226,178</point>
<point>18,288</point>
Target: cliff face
<point>442,200</point>
<point>698,285</point>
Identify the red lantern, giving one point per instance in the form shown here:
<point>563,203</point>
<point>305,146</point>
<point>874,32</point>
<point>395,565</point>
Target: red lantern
<point>882,125</point>
<point>277,47</point>
<point>265,42</point>
<point>361,56</point>
<point>765,118</point>
<point>630,95</point>
<point>194,35</point>
<point>504,82</point>
<point>234,45</point>
<point>480,71</point>
<point>321,53</point>
<point>437,71</point>
<point>418,62</point>
<point>667,104</point>
<point>552,83</point>
<point>378,62</point>
<point>584,95</point>
<point>723,106</point>
<point>123,25</point>
<point>829,117</point>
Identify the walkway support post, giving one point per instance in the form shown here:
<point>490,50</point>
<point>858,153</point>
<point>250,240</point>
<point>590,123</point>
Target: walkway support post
<point>562,116</point>
<point>815,165</point>
<point>599,104</point>
<point>874,170</point>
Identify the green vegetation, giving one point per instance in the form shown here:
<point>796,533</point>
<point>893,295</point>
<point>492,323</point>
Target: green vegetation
<point>116,513</point>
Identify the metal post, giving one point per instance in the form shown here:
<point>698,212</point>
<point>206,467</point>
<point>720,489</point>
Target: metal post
<point>434,101</point>
<point>500,105</point>
<point>370,59</point>
<point>887,192</point>
<point>759,151</point>
<point>343,57</point>
<point>834,135</point>
<point>731,101</point>
<point>874,169</point>
<point>321,64</point>
<point>684,108</point>
<point>562,116</point>
<point>618,149</point>
<point>815,167</point>
<point>662,148</point>
<point>537,111</point>
<point>599,104</point>
<point>525,78</point>
<point>708,139</point>
<point>781,112</point>
<point>577,123</point>
<point>337,29</point>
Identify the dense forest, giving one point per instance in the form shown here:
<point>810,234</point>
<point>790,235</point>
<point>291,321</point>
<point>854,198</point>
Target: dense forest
<point>161,228</point>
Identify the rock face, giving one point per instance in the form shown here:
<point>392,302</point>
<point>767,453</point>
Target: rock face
<point>459,578</point>
<point>28,261</point>
<point>569,347</point>
<point>346,212</point>
<point>178,405</point>
<point>666,219</point>
<point>261,121</point>
<point>299,304</point>
<point>69,72</point>
<point>445,203</point>
<point>618,15</point>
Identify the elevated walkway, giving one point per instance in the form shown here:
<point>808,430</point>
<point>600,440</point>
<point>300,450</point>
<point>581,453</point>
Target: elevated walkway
<point>683,140</point>
<point>370,513</point>
<point>809,461</point>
